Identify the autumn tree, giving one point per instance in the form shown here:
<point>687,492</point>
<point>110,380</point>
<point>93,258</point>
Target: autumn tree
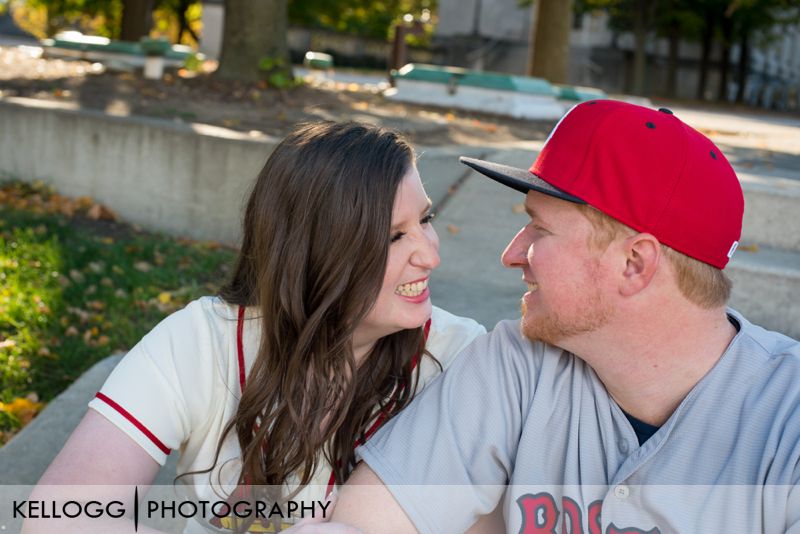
<point>548,55</point>
<point>254,43</point>
<point>137,19</point>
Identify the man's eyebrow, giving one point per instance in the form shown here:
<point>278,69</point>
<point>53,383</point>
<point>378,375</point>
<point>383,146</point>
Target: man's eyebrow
<point>424,212</point>
<point>532,214</point>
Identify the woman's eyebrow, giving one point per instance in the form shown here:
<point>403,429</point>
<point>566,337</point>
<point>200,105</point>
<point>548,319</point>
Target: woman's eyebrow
<point>533,215</point>
<point>424,212</point>
<point>428,207</point>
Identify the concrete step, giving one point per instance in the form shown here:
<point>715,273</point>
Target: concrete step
<point>771,209</point>
<point>766,288</point>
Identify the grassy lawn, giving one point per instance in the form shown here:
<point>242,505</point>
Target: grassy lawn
<point>76,286</point>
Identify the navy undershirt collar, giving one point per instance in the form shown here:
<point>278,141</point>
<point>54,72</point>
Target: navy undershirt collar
<point>645,431</point>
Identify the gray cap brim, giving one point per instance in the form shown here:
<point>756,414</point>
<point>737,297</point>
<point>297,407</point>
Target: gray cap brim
<point>522,180</point>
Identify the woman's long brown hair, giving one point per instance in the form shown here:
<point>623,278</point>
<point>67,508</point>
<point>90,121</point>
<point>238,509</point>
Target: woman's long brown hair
<point>313,256</point>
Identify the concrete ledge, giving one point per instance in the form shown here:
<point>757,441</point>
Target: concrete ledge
<point>770,214</point>
<point>501,102</point>
<point>766,285</point>
<point>185,179</point>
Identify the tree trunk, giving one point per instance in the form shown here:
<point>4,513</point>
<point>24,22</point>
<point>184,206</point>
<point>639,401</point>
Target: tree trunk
<point>706,41</point>
<point>254,43</point>
<point>744,65</point>
<point>549,55</point>
<point>673,56</point>
<point>725,65</point>
<point>137,19</point>
<point>640,53</point>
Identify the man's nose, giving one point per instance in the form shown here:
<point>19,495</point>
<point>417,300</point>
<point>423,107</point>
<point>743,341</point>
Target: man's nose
<point>516,253</point>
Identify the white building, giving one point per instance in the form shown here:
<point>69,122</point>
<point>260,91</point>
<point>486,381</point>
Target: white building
<point>493,35</point>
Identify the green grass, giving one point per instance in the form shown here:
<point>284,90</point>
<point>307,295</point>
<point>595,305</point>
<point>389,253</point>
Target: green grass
<point>74,290</point>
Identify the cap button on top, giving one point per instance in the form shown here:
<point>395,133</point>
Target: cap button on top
<point>665,110</point>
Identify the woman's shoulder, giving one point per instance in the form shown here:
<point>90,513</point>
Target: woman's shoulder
<point>445,323</point>
<point>204,313</point>
<point>449,334</point>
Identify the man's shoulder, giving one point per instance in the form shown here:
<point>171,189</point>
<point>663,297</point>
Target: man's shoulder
<point>507,347</point>
<point>766,343</point>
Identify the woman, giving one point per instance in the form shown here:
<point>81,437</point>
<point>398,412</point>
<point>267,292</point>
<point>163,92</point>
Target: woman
<point>324,331</point>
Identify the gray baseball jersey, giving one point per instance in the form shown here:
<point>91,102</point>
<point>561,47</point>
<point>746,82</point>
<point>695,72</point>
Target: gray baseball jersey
<point>533,424</point>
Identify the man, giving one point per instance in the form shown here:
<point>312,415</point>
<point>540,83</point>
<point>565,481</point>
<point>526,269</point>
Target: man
<point>631,400</point>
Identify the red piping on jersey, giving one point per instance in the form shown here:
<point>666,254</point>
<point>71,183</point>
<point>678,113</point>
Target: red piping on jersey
<point>239,347</point>
<point>372,429</point>
<point>135,422</point>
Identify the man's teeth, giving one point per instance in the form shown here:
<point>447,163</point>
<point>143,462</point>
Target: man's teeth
<point>533,287</point>
<point>414,289</point>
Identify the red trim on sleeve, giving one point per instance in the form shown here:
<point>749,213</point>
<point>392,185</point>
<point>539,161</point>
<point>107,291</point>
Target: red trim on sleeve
<point>135,422</point>
<point>240,347</point>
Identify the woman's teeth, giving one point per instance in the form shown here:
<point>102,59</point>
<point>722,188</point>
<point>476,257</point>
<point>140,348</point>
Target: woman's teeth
<point>414,289</point>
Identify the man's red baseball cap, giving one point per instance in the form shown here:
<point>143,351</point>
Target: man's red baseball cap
<point>645,168</point>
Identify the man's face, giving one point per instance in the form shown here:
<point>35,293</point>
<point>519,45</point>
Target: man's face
<point>565,296</point>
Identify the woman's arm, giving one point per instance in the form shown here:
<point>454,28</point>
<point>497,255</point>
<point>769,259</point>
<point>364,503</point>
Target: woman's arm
<point>98,462</point>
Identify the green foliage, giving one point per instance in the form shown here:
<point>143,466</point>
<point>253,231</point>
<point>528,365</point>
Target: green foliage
<point>100,17</point>
<point>277,73</point>
<point>367,18</point>
<point>74,290</point>
<point>192,63</point>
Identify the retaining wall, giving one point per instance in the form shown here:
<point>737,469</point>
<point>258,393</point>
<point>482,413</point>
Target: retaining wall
<point>184,179</point>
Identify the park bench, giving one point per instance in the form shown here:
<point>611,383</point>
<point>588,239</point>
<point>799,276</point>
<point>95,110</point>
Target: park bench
<point>521,97</point>
<point>152,54</point>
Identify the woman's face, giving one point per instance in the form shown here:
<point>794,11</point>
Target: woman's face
<point>404,300</point>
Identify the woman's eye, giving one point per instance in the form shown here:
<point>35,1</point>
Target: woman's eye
<point>397,236</point>
<point>428,218</point>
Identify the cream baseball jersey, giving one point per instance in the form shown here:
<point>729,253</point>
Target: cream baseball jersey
<point>533,425</point>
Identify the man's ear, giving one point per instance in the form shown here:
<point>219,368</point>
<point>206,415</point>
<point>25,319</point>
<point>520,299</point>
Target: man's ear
<point>642,255</point>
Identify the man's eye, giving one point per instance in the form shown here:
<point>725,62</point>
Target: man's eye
<point>428,218</point>
<point>397,236</point>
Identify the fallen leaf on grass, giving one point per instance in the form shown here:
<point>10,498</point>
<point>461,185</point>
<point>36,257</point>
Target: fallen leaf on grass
<point>96,305</point>
<point>71,331</point>
<point>23,409</point>
<point>142,266</point>
<point>164,297</point>
<point>83,315</point>
<point>77,276</point>
<point>103,340</point>
<point>98,212</point>
<point>7,344</point>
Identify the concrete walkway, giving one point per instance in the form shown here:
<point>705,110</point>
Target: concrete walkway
<point>476,219</point>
